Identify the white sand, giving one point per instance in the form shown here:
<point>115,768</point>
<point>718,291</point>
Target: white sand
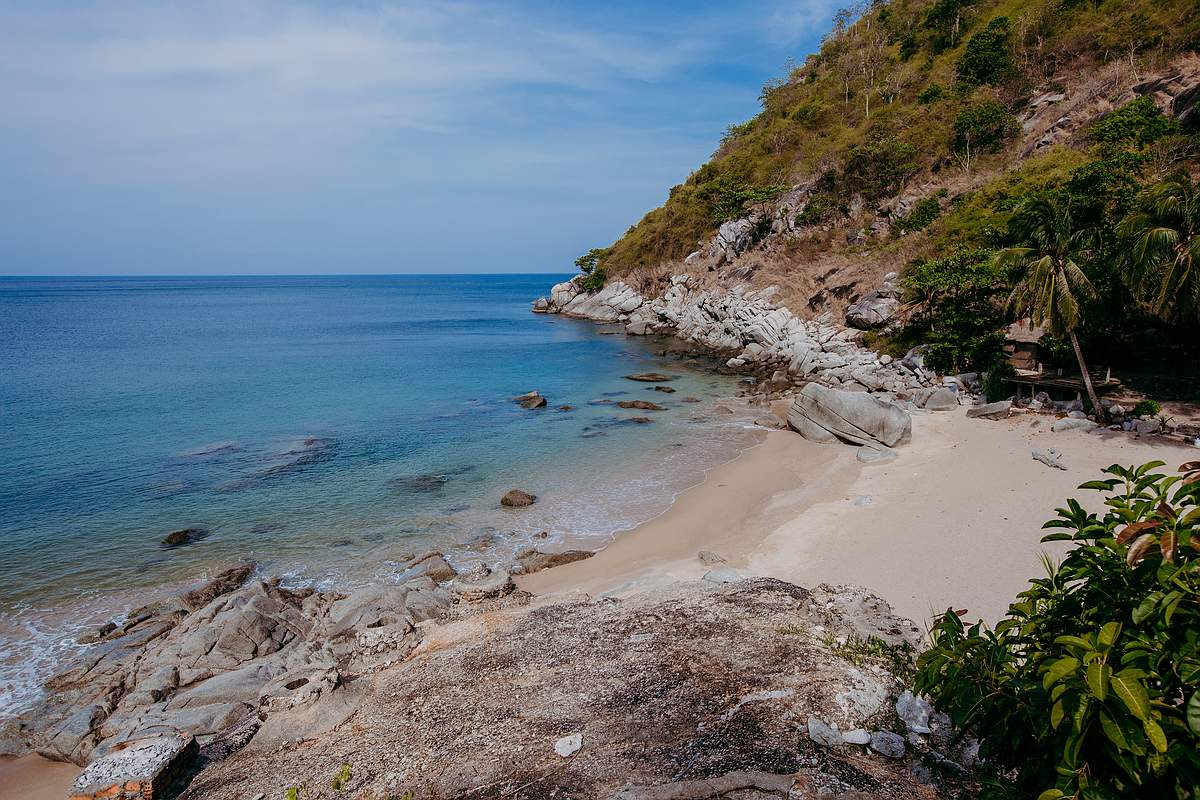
<point>955,521</point>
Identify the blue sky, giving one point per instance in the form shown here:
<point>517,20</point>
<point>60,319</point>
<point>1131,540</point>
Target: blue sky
<point>255,136</point>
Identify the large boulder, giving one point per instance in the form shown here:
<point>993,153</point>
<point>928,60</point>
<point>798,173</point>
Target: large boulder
<point>876,307</point>
<point>854,417</point>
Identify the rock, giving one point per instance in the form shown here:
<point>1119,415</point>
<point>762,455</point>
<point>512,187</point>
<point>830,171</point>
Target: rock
<point>872,311</point>
<point>1050,457</point>
<point>914,712</point>
<point>515,498</point>
<point>941,400</point>
<point>823,733</point>
<point>541,306</point>
<point>1068,424</point>
<point>1147,426</point>
<point>434,566</point>
<point>1077,415</point>
<point>852,417</point>
<point>184,536</point>
<point>644,405</point>
<point>569,745</point>
<point>887,744</point>
<point>1116,410</point>
<point>650,377</point>
<point>771,422</point>
<point>640,420</point>
<point>667,389</point>
<point>566,407</point>
<point>723,575</point>
<point>998,410</point>
<point>223,583</point>
<point>530,400</point>
<point>856,736</point>
<point>692,400</point>
<point>709,557</point>
<point>143,769</point>
<point>481,587</point>
<point>532,560</point>
<point>874,455</point>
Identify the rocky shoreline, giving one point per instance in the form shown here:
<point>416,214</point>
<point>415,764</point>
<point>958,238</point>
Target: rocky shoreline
<point>751,334</point>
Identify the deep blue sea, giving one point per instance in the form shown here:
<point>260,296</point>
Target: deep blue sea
<point>323,426</point>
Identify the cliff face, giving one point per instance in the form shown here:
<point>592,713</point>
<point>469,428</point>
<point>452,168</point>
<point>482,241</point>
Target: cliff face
<point>887,145</point>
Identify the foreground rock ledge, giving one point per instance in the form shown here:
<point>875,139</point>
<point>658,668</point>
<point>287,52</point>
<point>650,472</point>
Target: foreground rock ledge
<point>688,691</point>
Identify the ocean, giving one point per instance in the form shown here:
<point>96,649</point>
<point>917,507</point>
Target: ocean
<point>325,427</point>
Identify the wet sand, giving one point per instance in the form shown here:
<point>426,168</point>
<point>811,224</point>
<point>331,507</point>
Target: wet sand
<point>35,778</point>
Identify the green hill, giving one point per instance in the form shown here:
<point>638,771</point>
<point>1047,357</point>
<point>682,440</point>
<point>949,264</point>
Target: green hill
<point>913,136</point>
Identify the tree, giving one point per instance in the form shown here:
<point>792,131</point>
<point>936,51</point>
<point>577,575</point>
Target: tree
<point>1051,283</point>
<point>1163,263</point>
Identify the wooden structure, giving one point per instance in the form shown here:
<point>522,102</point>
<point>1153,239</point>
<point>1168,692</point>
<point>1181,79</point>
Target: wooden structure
<point>1047,382</point>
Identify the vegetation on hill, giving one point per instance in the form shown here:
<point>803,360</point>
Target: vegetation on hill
<point>913,93</point>
<point>1090,686</point>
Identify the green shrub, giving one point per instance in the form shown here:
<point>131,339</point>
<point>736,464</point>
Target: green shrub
<point>922,215</point>
<point>983,127</point>
<point>727,197</point>
<point>592,267</point>
<point>931,94</point>
<point>879,167</point>
<point>995,380</point>
<point>819,208</point>
<point>958,311</point>
<point>1147,408</point>
<point>1090,686</point>
<point>985,59</point>
<point>1137,122</point>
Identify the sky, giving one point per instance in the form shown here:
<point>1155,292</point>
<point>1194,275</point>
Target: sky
<point>269,137</point>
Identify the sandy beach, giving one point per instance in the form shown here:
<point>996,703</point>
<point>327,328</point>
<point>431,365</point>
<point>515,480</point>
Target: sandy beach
<point>954,521</point>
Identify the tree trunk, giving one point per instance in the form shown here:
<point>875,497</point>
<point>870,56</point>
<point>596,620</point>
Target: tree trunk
<point>1087,378</point>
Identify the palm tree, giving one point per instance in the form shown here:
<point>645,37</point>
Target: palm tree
<point>1051,284</point>
<point>1163,263</point>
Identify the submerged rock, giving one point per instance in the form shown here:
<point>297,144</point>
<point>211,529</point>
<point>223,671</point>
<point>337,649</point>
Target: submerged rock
<point>515,498</point>
<point>644,405</point>
<point>530,400</point>
<point>184,536</point>
<point>650,377</point>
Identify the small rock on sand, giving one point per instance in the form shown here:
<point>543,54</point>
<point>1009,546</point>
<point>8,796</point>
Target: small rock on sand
<point>709,557</point>
<point>517,499</point>
<point>569,745</point>
<point>723,575</point>
<point>1050,457</point>
<point>691,400</point>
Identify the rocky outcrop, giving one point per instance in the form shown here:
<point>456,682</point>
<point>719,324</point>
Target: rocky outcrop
<point>751,330</point>
<point>821,414</point>
<point>219,657</point>
<point>693,690</point>
<point>876,307</point>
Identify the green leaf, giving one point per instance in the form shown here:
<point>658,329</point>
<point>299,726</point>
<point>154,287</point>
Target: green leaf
<point>1051,794</point>
<point>1102,486</point>
<point>1113,731</point>
<point>1074,641</point>
<point>1193,713</point>
<point>1146,607</point>
<point>1059,670</point>
<point>1132,693</point>
<point>1098,676</point>
<point>1155,734</point>
<point>1109,634</point>
<point>1056,715</point>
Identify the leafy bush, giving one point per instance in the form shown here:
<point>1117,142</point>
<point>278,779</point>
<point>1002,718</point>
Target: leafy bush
<point>983,127</point>
<point>1137,122</point>
<point>1090,686</point>
<point>879,167</point>
<point>923,213</point>
<point>995,380</point>
<point>985,59</point>
<point>958,313</point>
<point>728,198</point>
<point>590,264</point>
<point>819,208</point>
<point>1147,408</point>
<point>931,94</point>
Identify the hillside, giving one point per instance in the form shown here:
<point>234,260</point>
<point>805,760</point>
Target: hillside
<point>906,144</point>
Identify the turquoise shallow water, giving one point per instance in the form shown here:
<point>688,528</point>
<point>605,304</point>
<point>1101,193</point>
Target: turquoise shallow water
<point>323,426</point>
